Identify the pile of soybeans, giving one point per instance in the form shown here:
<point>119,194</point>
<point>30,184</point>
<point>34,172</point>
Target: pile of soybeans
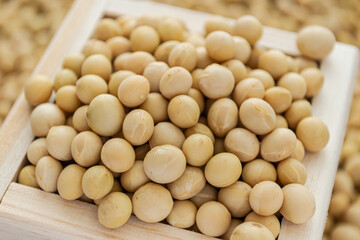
<point>205,132</point>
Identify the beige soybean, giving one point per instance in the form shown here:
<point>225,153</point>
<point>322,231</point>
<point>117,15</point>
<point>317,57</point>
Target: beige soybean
<point>153,73</point>
<point>86,148</point>
<point>116,188</point>
<point>345,231</point>
<point>243,143</point>
<point>27,177</point>
<point>138,127</point>
<point>236,199</point>
<point>298,110</point>
<point>183,214</point>
<point>69,182</point>
<point>134,178</point>
<point>152,203</point>
<point>63,78</point>
<point>242,48</point>
<point>163,50</point>
<point>118,155</point>
<point>183,111</point>
<point>47,172</point>
<point>273,61</point>
<point>203,59</point>
<point>38,90</point>
<point>271,222</point>
<point>223,169</point>
<point>170,29</point>
<point>313,133</point>
<point>107,28</point>
<point>137,61</point>
<point>279,98</point>
<point>218,23</point>
<point>291,170</point>
<point>95,46</point>
<point>118,45</point>
<point>116,79</point>
<point>196,78</point>
<point>248,88</point>
<point>167,133</point>
<point>114,210</point>
<point>195,39</point>
<point>281,122</point>
<point>133,90</point>
<point>74,62</point>
<point>257,116</point>
<point>237,68</point>
<point>234,223</point>
<point>156,105</point>
<point>257,171</point>
<point>278,145</point>
<point>315,41</point>
<point>266,198</point>
<point>105,115</point>
<point>304,62</point>
<point>144,38</point>
<point>198,149</point>
<point>201,129</point>
<point>339,204</point>
<point>248,27</point>
<point>352,213</point>
<point>352,167</point>
<point>183,55</point>
<point>164,164</point>
<point>58,142</point>
<point>66,98</point>
<point>344,183</point>
<point>36,150</point>
<point>220,46</point>
<point>299,203</point>
<point>295,83</point>
<point>216,81</point>
<point>299,151</point>
<point>97,182</point>
<point>251,231</point>
<point>97,64</point>
<point>175,81</point>
<point>213,219</point>
<point>265,77</point>
<point>207,194</point>
<point>191,182</point>
<point>198,97</point>
<point>119,61</point>
<point>253,61</point>
<point>45,116</point>
<point>223,116</point>
<point>90,86</point>
<point>314,81</point>
<point>79,119</point>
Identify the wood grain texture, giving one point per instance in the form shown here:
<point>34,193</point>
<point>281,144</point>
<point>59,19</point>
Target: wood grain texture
<point>32,214</point>
<point>15,133</point>
<point>27,213</point>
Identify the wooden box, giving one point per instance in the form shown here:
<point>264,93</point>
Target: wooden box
<point>27,213</point>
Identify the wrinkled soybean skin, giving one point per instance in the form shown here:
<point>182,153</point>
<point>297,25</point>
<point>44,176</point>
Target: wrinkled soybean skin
<point>105,115</point>
<point>223,116</point>
<point>257,116</point>
<point>278,145</point>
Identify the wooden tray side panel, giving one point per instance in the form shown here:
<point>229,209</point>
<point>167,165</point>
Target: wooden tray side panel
<point>55,218</point>
<point>15,133</point>
<point>332,105</point>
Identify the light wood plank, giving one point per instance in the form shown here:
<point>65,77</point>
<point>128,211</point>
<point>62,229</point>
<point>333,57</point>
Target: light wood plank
<point>32,214</point>
<point>15,133</point>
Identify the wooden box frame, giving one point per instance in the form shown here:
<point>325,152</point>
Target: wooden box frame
<point>27,213</point>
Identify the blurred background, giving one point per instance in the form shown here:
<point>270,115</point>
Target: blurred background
<point>27,26</point>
